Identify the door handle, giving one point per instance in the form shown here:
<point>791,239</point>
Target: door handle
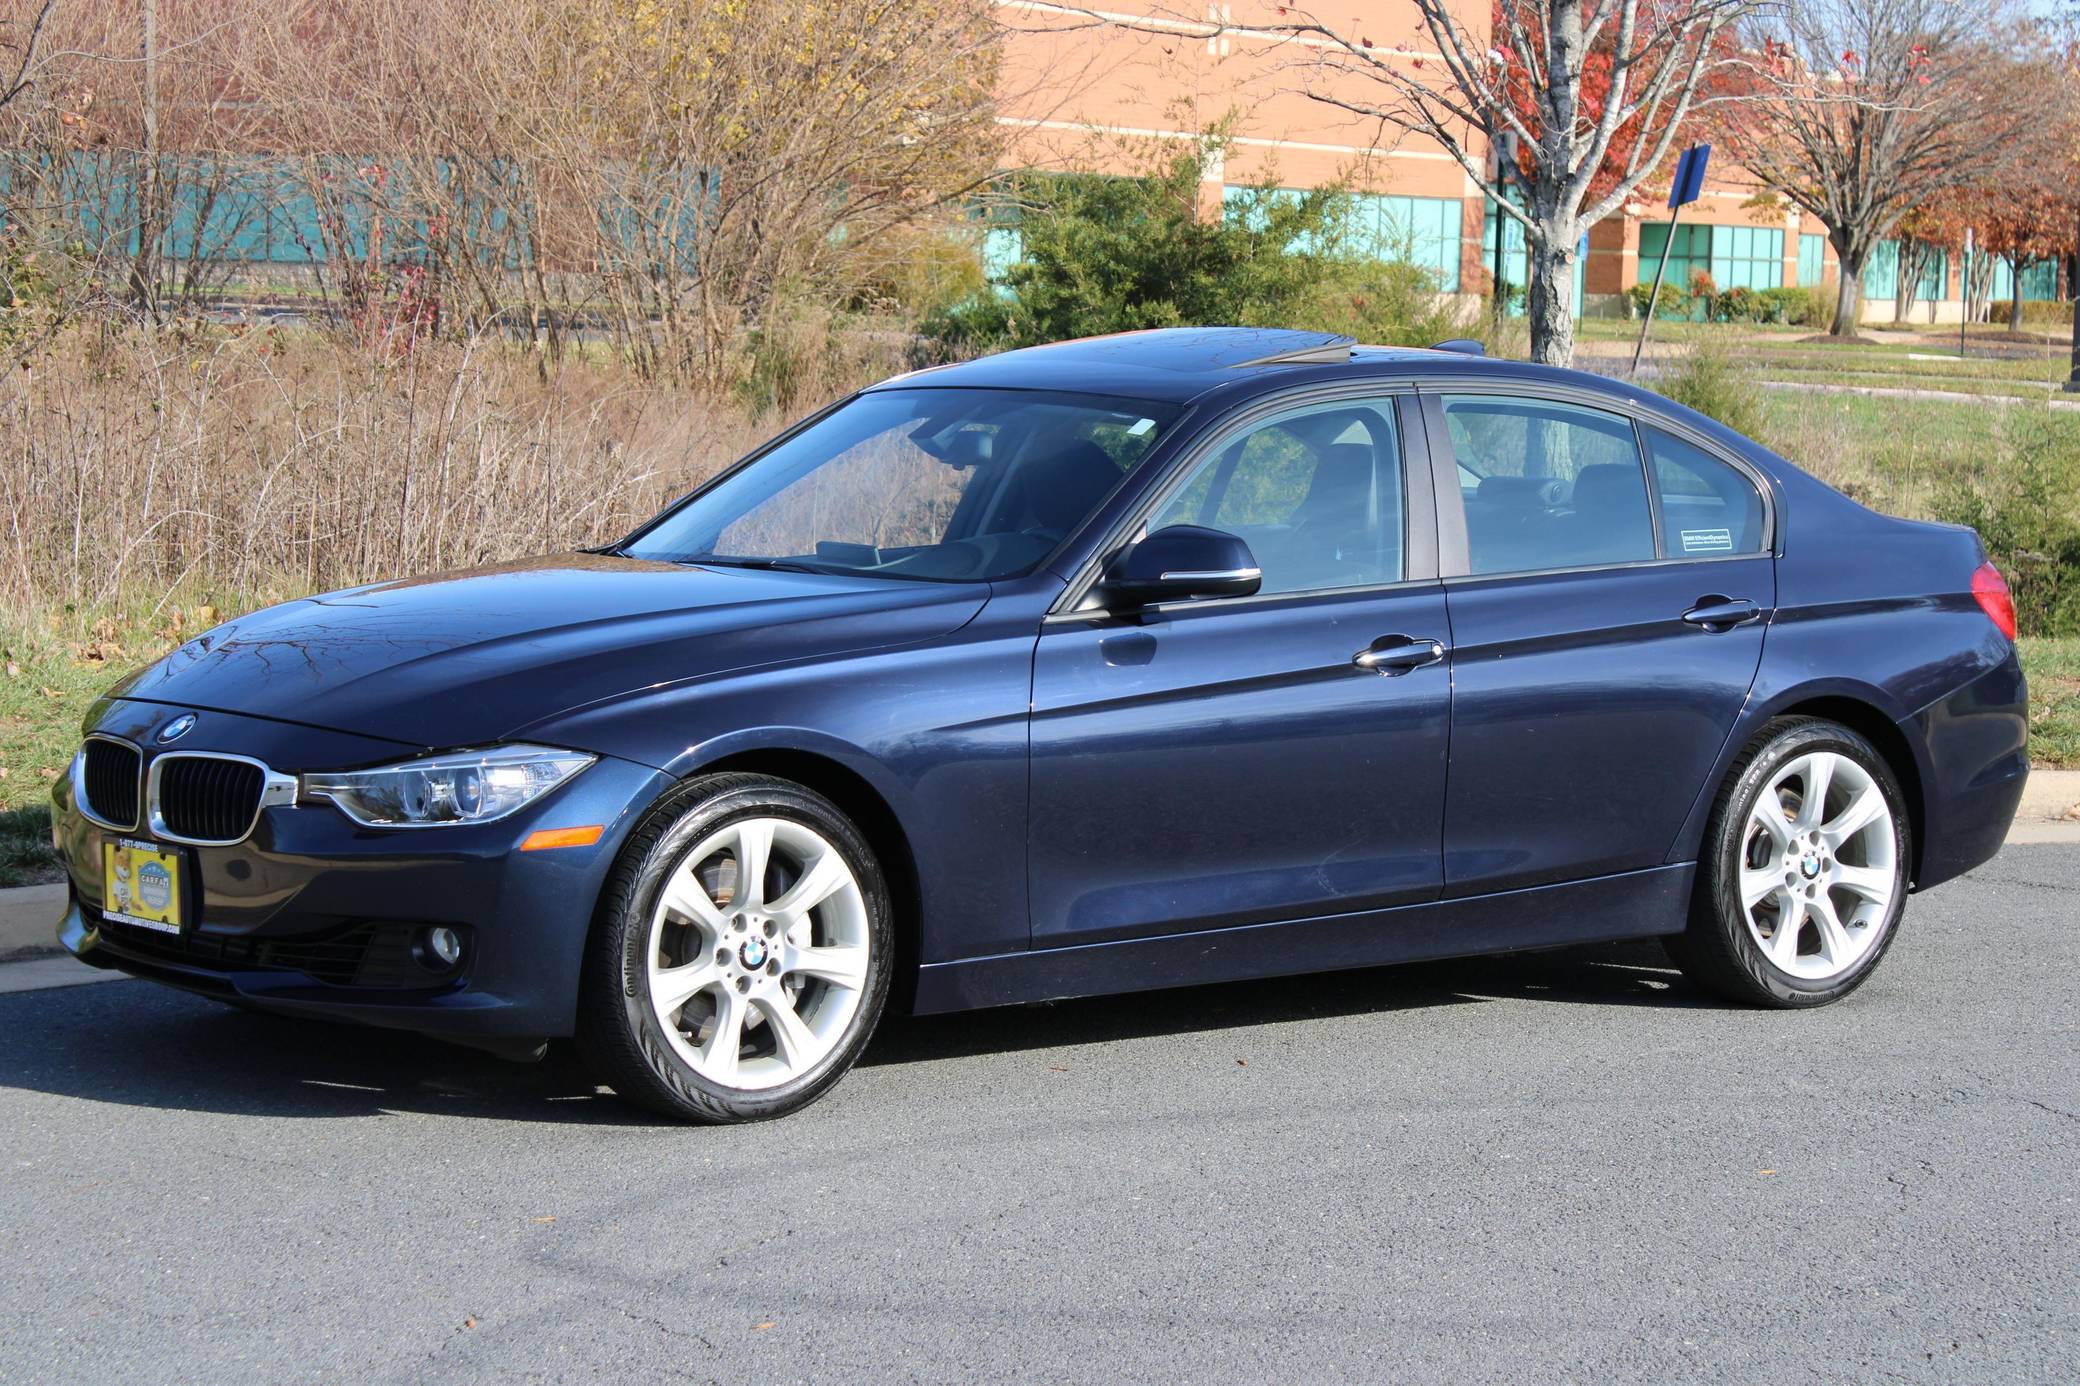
<point>1722,613</point>
<point>1397,654</point>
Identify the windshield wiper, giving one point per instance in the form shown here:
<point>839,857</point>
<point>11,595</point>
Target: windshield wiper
<point>778,565</point>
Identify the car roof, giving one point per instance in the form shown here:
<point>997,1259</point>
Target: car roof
<point>1180,364</point>
<point>1224,367</point>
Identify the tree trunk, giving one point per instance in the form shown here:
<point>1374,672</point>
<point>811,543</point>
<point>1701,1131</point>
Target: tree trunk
<point>143,272</point>
<point>2015,295</point>
<point>1848,292</point>
<point>1550,302</point>
<point>1906,284</point>
<point>2073,288</point>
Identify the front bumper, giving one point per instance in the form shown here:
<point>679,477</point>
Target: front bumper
<point>312,914</point>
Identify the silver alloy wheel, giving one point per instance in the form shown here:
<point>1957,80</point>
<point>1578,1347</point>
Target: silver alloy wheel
<point>1819,866</point>
<point>757,953</point>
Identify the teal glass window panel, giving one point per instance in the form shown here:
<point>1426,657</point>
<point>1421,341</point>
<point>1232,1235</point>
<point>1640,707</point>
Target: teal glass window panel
<point>1812,259</point>
<point>1002,247</point>
<point>2039,282</point>
<point>1881,270</point>
<point>1425,229</point>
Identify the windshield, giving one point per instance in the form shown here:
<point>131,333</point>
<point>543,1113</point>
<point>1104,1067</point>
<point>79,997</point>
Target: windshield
<point>945,484</point>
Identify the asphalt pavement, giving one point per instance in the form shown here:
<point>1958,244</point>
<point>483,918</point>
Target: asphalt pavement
<point>1553,1167</point>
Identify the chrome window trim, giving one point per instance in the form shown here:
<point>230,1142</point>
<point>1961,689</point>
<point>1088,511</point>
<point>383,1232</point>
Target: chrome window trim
<point>79,783</point>
<point>1468,579</point>
<point>276,790</point>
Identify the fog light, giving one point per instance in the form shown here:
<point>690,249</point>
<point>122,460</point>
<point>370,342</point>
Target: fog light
<point>445,945</point>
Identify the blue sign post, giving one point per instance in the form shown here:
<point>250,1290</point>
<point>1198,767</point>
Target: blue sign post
<point>1688,183</point>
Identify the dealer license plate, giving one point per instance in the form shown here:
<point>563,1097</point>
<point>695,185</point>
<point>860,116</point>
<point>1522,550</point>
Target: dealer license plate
<point>141,885</point>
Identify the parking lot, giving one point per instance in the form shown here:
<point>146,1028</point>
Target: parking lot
<point>1563,1166</point>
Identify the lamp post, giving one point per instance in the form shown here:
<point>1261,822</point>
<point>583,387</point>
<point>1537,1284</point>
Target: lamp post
<point>1964,292</point>
<point>2072,385</point>
<point>1502,154</point>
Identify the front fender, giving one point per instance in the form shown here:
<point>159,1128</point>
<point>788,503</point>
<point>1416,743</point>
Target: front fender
<point>938,731</point>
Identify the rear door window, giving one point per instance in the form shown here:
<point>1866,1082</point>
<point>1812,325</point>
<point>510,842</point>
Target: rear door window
<point>1548,485</point>
<point>1709,508</point>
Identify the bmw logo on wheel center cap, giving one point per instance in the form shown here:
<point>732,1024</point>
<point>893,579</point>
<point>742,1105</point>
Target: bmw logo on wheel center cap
<point>753,953</point>
<point>177,728</point>
<point>1809,866</point>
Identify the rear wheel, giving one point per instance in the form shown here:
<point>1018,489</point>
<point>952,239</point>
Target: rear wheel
<point>741,957</point>
<point>1803,876</point>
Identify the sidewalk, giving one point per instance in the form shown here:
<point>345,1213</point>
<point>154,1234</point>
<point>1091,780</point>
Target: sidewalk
<point>29,921</point>
<point>29,914</point>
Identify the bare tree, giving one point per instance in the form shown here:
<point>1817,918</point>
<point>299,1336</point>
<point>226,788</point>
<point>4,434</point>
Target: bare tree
<point>23,48</point>
<point>1863,110</point>
<point>1594,92</point>
<point>675,172</point>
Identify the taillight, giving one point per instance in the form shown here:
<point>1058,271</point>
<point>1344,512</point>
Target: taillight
<point>1990,589</point>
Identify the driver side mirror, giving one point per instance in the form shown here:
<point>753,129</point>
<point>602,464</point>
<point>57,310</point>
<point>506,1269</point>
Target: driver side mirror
<point>1179,562</point>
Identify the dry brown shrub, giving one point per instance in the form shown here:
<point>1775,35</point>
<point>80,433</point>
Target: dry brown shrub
<point>249,463</point>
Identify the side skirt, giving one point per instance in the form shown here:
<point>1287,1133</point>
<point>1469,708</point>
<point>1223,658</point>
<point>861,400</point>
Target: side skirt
<point>1635,904</point>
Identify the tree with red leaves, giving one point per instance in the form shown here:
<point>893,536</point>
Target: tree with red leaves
<point>1595,92</point>
<point>2024,223</point>
<point>1862,112</point>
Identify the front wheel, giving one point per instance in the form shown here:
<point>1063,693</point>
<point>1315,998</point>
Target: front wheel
<point>741,954</point>
<point>1804,872</point>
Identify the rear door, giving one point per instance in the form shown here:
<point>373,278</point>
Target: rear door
<point>1608,585</point>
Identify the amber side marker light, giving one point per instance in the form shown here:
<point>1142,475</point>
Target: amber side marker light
<point>541,839</point>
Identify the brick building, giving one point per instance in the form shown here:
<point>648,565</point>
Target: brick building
<point>1079,79</point>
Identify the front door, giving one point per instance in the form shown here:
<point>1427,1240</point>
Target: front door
<point>1243,760</point>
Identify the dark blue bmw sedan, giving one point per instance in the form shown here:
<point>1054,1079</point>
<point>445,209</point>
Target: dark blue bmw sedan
<point>1157,659</point>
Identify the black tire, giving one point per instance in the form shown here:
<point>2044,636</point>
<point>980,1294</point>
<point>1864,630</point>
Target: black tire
<point>619,1033</point>
<point>1717,951</point>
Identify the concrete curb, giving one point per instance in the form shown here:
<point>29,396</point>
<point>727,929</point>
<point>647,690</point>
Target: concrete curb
<point>2050,813</point>
<point>29,921</point>
<point>2052,794</point>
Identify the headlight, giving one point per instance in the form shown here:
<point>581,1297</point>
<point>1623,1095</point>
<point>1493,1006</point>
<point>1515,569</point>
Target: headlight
<point>462,787</point>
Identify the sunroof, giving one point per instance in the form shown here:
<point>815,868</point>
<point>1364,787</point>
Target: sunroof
<point>1316,354</point>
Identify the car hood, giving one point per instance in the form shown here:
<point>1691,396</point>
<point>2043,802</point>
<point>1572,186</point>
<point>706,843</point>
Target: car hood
<point>476,656</point>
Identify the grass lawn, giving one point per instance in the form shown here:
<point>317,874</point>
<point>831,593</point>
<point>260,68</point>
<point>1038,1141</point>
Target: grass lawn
<point>49,679</point>
<point>2053,666</point>
<point>1993,363</point>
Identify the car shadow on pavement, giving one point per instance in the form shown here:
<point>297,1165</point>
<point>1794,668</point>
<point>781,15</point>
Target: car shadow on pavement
<point>1632,973</point>
<point>135,1044</point>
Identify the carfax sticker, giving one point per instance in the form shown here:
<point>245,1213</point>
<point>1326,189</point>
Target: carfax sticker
<point>1707,541</point>
<point>141,885</point>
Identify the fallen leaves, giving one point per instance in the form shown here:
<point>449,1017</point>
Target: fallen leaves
<point>761,1327</point>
